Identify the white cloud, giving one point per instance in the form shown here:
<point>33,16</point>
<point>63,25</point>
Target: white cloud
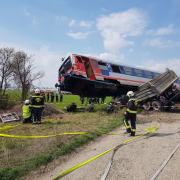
<point>61,18</point>
<point>164,31</point>
<point>26,12</point>
<point>172,64</point>
<point>49,62</point>
<point>161,43</point>
<point>86,23</point>
<point>79,35</point>
<point>131,50</point>
<point>72,23</point>
<point>44,60</point>
<point>108,56</point>
<point>117,26</point>
<point>113,41</point>
<point>103,9</point>
<point>161,31</point>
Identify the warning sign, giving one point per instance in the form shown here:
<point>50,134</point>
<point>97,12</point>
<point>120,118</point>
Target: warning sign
<point>9,117</point>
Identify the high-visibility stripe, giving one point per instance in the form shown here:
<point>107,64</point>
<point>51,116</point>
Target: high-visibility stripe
<point>130,111</point>
<point>26,113</point>
<point>37,106</point>
<point>127,127</point>
<point>133,130</point>
<point>132,99</point>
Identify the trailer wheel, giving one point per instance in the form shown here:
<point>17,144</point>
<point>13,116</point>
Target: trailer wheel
<point>156,105</point>
<point>147,106</point>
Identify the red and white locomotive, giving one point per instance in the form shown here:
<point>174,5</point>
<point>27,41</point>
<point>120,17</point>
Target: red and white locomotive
<point>93,77</point>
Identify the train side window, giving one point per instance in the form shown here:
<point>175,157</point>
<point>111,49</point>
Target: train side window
<point>156,74</point>
<point>128,70</point>
<point>103,66</point>
<point>139,73</point>
<point>116,68</point>
<point>148,74</point>
<point>68,65</point>
<point>61,72</point>
<point>94,63</point>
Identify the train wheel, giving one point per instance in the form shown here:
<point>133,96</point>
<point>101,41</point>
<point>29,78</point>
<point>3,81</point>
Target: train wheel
<point>147,106</point>
<point>156,105</point>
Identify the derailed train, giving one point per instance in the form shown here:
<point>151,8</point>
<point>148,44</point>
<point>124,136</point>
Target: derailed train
<point>92,77</point>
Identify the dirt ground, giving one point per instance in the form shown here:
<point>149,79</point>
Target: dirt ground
<point>136,160</point>
<point>50,113</point>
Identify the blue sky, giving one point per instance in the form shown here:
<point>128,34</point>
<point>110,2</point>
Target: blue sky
<point>135,32</point>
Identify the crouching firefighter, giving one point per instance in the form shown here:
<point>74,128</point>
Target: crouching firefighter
<point>130,114</point>
<point>37,103</point>
<point>27,115</point>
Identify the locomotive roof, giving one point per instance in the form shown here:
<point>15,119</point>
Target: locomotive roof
<point>109,61</point>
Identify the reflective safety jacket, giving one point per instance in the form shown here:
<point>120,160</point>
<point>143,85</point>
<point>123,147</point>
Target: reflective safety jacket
<point>26,112</point>
<point>37,101</point>
<point>132,105</point>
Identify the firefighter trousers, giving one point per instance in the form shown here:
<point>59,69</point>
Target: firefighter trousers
<point>36,115</point>
<point>132,118</point>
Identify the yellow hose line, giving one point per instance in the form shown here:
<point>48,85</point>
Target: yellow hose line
<point>16,136</point>
<point>8,127</point>
<point>81,164</point>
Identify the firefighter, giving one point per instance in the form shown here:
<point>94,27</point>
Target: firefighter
<point>52,97</point>
<point>61,97</point>
<point>82,99</point>
<point>47,97</point>
<point>37,104</point>
<point>56,97</point>
<point>130,114</point>
<point>43,95</point>
<point>27,116</point>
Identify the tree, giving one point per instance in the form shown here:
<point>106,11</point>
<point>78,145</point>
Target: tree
<point>6,63</point>
<point>23,65</point>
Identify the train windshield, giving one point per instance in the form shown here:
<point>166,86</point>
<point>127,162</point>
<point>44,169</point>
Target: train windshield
<point>67,65</point>
<point>61,71</point>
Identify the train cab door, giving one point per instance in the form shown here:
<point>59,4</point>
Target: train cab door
<point>88,68</point>
<point>89,71</point>
<point>96,70</point>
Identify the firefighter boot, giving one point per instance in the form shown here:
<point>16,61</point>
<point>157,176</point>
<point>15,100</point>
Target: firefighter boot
<point>128,130</point>
<point>133,131</point>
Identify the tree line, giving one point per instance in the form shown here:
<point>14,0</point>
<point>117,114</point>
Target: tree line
<point>16,67</point>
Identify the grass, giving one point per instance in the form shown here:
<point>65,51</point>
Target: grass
<point>52,147</point>
<point>68,99</point>
<point>18,156</point>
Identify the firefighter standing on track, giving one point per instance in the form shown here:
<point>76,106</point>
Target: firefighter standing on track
<point>27,116</point>
<point>37,103</point>
<point>130,114</point>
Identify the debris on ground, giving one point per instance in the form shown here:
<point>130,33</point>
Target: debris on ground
<point>49,111</point>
